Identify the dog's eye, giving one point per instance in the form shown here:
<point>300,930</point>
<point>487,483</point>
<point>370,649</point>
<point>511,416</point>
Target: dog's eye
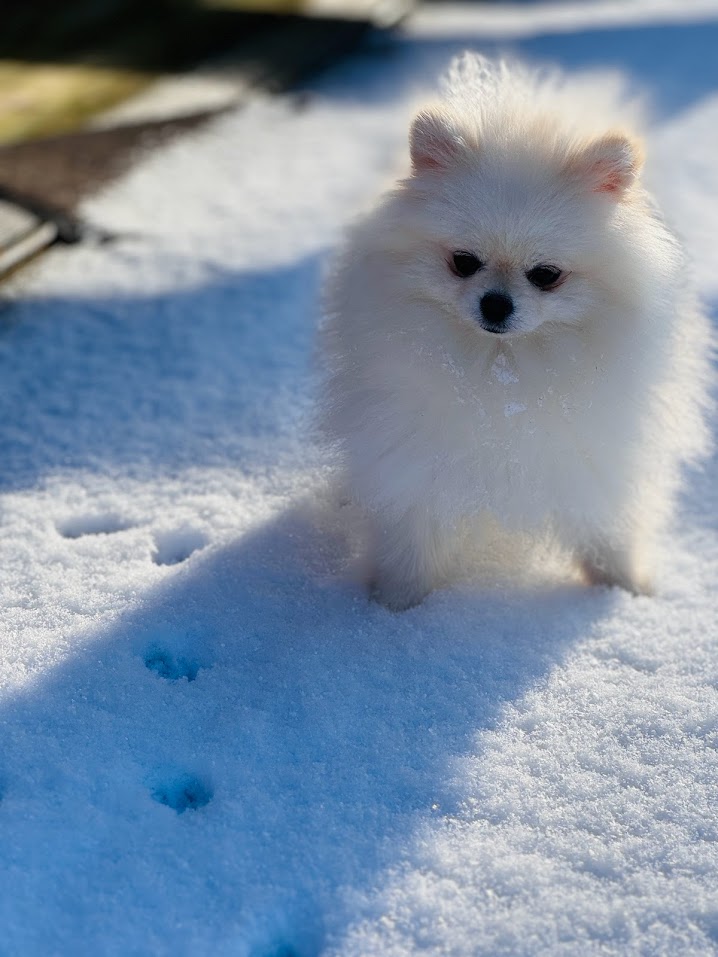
<point>465,264</point>
<point>543,277</point>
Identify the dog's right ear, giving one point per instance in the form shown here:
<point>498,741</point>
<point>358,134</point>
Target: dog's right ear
<point>608,165</point>
<point>434,141</point>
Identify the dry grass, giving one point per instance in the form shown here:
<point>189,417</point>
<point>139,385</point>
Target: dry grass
<point>42,99</point>
<point>62,64</point>
<point>68,62</point>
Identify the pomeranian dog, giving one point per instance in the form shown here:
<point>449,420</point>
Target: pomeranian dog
<point>509,333</point>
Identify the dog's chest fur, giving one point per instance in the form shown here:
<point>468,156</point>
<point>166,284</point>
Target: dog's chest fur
<point>525,431</point>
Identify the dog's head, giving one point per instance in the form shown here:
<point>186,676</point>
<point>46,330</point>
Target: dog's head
<point>519,224</point>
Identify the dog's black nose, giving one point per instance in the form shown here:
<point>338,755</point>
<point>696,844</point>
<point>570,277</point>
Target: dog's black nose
<point>496,308</point>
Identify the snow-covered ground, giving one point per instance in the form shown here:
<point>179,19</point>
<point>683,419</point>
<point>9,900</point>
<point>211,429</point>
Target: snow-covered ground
<point>210,742</point>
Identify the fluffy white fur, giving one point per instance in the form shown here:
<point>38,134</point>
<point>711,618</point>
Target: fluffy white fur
<point>574,419</point>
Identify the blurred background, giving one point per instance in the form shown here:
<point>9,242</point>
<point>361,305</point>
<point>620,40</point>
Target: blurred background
<point>86,84</point>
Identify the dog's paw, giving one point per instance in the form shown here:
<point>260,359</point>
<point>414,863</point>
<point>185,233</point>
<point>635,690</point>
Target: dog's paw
<point>397,596</point>
<point>615,574</point>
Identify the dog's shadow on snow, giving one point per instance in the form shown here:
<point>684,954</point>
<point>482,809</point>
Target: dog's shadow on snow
<point>210,374</point>
<point>261,736</point>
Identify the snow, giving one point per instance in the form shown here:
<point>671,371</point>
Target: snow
<point>212,743</point>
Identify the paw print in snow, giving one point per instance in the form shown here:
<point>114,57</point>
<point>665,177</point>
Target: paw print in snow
<point>93,523</point>
<point>185,792</point>
<point>173,547</point>
<point>166,664</point>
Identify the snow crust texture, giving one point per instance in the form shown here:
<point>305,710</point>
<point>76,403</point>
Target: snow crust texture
<point>211,742</point>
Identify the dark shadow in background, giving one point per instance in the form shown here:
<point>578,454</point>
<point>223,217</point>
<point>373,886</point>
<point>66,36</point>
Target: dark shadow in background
<point>56,165</point>
<point>172,35</point>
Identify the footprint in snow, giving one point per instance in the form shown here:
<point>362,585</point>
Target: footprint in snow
<point>185,792</point>
<point>166,664</point>
<point>93,523</point>
<point>173,547</point>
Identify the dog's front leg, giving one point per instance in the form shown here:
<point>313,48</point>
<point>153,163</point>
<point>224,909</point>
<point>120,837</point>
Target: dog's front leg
<point>607,563</point>
<point>410,558</point>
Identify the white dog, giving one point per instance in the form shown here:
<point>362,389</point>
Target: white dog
<point>509,333</point>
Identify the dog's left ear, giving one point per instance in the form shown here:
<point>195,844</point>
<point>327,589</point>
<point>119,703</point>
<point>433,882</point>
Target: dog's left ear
<point>434,140</point>
<point>608,165</point>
